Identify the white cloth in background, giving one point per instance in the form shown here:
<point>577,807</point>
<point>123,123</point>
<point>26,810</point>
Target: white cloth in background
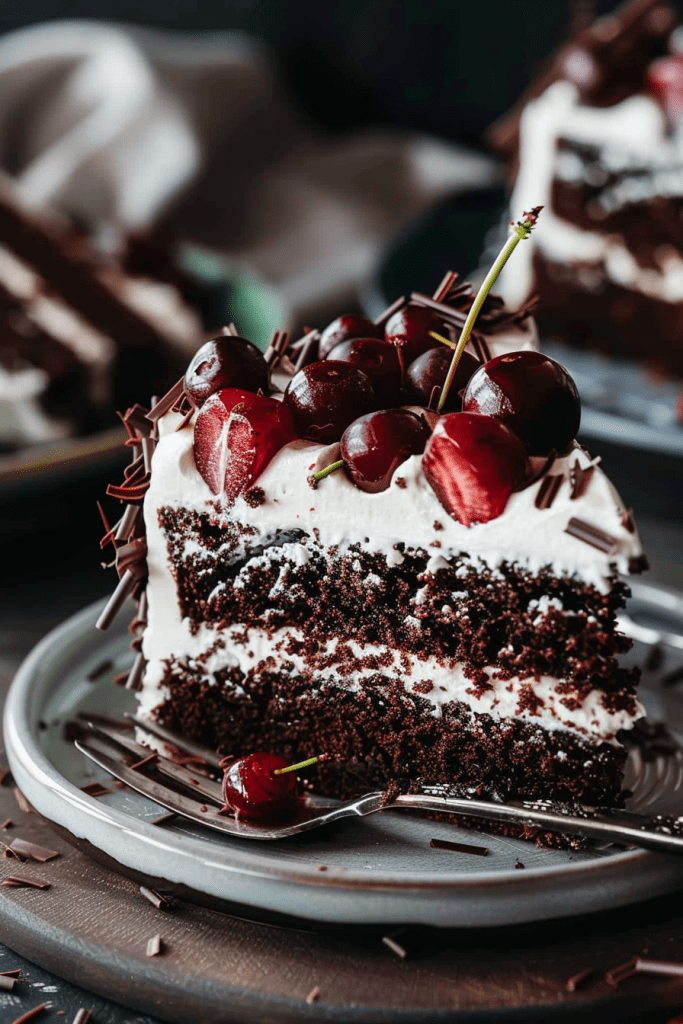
<point>134,127</point>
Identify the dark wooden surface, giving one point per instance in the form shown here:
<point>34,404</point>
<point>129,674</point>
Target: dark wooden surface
<point>91,927</point>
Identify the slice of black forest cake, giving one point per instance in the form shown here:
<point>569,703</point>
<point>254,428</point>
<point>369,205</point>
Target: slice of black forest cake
<point>424,606</point>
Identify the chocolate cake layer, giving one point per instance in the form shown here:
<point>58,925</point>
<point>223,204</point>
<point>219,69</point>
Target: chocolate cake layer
<point>379,736</point>
<point>523,623</point>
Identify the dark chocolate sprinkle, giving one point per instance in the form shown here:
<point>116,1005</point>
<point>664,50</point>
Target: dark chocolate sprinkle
<point>591,535</point>
<point>578,980</point>
<point>548,490</point>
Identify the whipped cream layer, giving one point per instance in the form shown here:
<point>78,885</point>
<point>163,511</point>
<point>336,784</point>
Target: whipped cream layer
<point>346,664</point>
<point>339,514</point>
<point>635,130</point>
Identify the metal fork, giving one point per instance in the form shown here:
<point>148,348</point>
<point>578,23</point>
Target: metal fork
<point>195,793</point>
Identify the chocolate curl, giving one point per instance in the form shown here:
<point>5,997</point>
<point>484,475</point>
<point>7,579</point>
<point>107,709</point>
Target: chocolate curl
<point>166,403</point>
<point>113,606</point>
<point>132,557</point>
<point>134,679</point>
<point>308,347</point>
<point>276,348</point>
<point>592,535</point>
<point>548,491</point>
<point>128,522</point>
<point>389,311</point>
<point>447,282</point>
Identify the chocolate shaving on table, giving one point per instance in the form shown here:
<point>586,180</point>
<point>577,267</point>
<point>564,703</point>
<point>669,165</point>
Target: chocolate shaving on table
<point>24,805</point>
<point>578,980</point>
<point>548,490</point>
<point>31,850</point>
<point>82,1016</point>
<point>448,844</point>
<point>395,947</point>
<point>313,996</point>
<point>95,789</point>
<point>6,824</point>
<point>308,350</point>
<point>580,477</point>
<point>22,882</point>
<point>616,975</point>
<point>7,984</point>
<point>155,898</point>
<point>30,1014</point>
<point>154,945</point>
<point>381,320</point>
<point>166,403</point>
<point>592,535</point>
<point>124,589</point>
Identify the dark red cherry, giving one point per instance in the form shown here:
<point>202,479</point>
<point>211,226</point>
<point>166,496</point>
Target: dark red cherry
<point>236,434</point>
<point>344,328</point>
<point>531,394</point>
<point>664,79</point>
<point>225,362</point>
<point>326,396</point>
<point>409,329</point>
<point>252,790</point>
<point>374,445</point>
<point>377,358</point>
<point>473,464</point>
<point>429,371</point>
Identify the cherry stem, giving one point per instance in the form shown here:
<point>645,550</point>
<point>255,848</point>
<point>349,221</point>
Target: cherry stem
<point>440,337</point>
<point>295,767</point>
<point>321,474</point>
<point>520,230</point>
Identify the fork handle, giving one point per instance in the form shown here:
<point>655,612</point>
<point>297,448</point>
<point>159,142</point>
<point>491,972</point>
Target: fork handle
<point>621,827</point>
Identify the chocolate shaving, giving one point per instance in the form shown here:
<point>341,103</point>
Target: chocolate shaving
<point>148,446</point>
<point>395,947</point>
<point>447,844</point>
<point>313,995</point>
<point>7,984</point>
<point>132,557</point>
<point>389,311</point>
<point>95,789</point>
<point>6,824</point>
<point>128,492</point>
<point>580,478</point>
<point>578,980</point>
<point>456,316</point>
<point>276,348</point>
<point>166,403</point>
<point>155,898</point>
<point>150,759</point>
<point>434,397</point>
<point>32,850</point>
<point>591,535</point>
<point>627,521</point>
<point>113,606</point>
<point>308,349</point>
<point>548,490</point>
<point>154,945</point>
<point>21,882</point>
<point>30,1014</point>
<point>621,973</point>
<point>185,420</point>
<point>134,677</point>
<point>22,801</point>
<point>128,522</point>
<point>447,282</point>
<point>82,1017</point>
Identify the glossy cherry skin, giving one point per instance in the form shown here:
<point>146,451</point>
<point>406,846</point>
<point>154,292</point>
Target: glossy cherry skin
<point>531,394</point>
<point>236,434</point>
<point>374,445</point>
<point>473,464</point>
<point>326,396</point>
<point>225,362</point>
<point>409,329</point>
<point>664,79</point>
<point>252,790</point>
<point>429,371</point>
<point>378,359</point>
<point>344,328</point>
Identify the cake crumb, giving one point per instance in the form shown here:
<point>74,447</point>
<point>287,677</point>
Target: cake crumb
<point>401,482</point>
<point>255,496</point>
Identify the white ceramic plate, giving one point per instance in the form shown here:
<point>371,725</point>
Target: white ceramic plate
<point>379,870</point>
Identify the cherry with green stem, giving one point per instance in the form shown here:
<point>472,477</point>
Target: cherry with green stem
<point>521,230</point>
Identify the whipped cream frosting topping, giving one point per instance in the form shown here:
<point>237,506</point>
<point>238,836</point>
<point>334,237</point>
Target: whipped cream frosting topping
<point>338,514</point>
